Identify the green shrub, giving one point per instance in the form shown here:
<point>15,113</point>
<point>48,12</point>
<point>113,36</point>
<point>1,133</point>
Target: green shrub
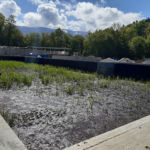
<point>7,79</point>
<point>70,89</point>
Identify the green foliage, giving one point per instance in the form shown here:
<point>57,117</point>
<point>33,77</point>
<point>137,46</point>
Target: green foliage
<point>91,101</point>
<point>7,79</point>
<point>15,72</point>
<point>81,90</point>
<point>70,89</point>
<point>77,44</point>
<point>12,73</point>
<point>148,46</point>
<point>2,21</point>
<point>119,41</point>
<point>46,79</point>
<point>138,46</point>
<point>9,33</point>
<point>97,44</point>
<point>32,39</point>
<point>104,83</point>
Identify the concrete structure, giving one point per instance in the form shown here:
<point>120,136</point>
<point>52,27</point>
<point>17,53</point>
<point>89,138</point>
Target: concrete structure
<point>24,51</point>
<point>80,58</point>
<point>8,139</point>
<point>133,136</point>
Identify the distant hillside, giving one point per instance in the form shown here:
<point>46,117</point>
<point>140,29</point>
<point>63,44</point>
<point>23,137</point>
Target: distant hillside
<point>39,30</point>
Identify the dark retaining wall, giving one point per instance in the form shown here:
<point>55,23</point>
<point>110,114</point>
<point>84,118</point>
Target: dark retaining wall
<point>16,58</point>
<point>136,71</point>
<point>125,70</point>
<point>87,66</point>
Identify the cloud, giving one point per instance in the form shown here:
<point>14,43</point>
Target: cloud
<point>103,1</point>
<point>38,1</point>
<point>84,16</point>
<point>47,15</point>
<point>33,19</point>
<point>9,7</point>
<point>95,17</point>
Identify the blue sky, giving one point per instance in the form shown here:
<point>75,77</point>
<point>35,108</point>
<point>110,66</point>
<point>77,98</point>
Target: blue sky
<point>83,15</point>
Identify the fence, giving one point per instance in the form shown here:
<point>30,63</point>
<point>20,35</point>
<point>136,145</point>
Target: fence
<point>24,51</point>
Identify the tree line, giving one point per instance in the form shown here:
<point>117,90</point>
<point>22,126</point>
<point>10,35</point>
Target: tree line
<point>118,41</point>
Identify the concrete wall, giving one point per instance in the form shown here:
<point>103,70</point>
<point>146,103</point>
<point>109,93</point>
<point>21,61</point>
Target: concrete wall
<point>80,58</point>
<point>125,70</point>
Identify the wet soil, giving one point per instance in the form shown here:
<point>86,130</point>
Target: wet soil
<point>49,119</point>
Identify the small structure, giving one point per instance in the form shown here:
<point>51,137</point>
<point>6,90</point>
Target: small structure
<point>25,51</point>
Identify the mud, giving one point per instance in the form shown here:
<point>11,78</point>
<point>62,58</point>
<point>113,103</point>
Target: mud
<point>49,119</point>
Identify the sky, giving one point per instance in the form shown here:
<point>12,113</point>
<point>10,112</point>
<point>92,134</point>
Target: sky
<point>77,15</point>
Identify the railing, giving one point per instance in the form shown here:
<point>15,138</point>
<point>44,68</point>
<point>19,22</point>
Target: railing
<point>24,51</point>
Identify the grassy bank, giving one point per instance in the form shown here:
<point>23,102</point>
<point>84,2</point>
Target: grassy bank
<point>23,74</point>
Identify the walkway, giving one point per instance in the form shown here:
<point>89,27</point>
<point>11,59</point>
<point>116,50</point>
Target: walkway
<point>133,136</point>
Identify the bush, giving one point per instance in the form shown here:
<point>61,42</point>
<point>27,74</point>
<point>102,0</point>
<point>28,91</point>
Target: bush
<point>138,46</point>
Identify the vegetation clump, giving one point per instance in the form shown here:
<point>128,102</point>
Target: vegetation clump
<point>23,74</point>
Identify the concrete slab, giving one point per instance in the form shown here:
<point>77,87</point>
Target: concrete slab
<point>133,136</point>
<point>8,139</point>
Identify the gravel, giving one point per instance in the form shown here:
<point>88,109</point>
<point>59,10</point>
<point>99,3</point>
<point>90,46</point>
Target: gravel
<point>49,119</point>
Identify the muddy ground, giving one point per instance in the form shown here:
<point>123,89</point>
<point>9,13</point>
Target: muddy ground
<point>47,118</point>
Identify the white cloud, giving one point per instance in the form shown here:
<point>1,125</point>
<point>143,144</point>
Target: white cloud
<point>33,19</point>
<point>95,17</point>
<point>47,15</point>
<point>84,16</point>
<point>39,1</point>
<point>9,7</point>
<point>103,1</point>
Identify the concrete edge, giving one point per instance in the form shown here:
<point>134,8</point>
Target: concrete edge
<point>93,142</point>
<point>8,139</point>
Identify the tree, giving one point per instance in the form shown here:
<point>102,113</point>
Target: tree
<point>148,46</point>
<point>140,27</point>
<point>32,39</point>
<point>147,30</point>
<point>116,26</point>
<point>45,40</point>
<point>67,40</point>
<point>2,21</point>
<point>100,43</point>
<point>59,38</point>
<point>9,29</point>
<point>77,44</point>
<point>129,32</point>
<point>17,38</point>
<point>138,46</point>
